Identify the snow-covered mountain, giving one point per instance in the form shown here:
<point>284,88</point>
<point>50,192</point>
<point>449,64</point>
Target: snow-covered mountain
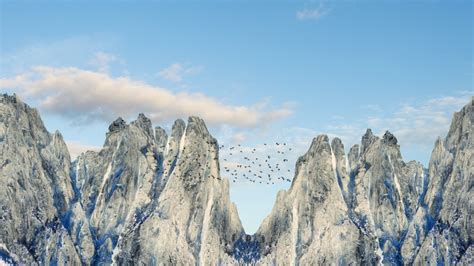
<point>150,198</point>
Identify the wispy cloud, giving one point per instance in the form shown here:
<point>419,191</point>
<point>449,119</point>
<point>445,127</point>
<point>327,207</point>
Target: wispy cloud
<point>102,61</point>
<point>72,50</point>
<point>177,72</point>
<point>312,13</point>
<point>85,96</point>
<point>416,124</point>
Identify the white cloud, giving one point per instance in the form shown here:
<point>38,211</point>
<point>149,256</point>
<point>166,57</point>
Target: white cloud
<point>176,72</point>
<point>76,148</point>
<point>86,96</point>
<point>312,13</point>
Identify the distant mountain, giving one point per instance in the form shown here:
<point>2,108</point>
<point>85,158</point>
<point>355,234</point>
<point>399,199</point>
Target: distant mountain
<point>149,198</point>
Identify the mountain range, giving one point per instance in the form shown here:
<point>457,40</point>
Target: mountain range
<point>156,199</point>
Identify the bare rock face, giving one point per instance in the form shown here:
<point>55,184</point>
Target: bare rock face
<point>309,224</point>
<point>113,184</point>
<point>102,207</point>
<point>35,188</point>
<point>396,212</point>
<point>340,210</point>
<point>385,192</point>
<point>149,197</point>
<point>448,207</point>
<point>192,221</point>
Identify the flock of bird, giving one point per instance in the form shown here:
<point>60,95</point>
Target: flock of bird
<point>266,164</point>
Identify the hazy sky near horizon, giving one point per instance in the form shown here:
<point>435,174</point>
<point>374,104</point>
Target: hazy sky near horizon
<point>256,72</point>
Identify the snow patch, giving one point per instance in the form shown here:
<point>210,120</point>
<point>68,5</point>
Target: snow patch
<point>133,206</point>
<point>206,223</point>
<point>78,168</point>
<point>334,169</point>
<point>348,170</point>
<point>167,147</point>
<point>4,263</point>
<point>109,169</point>
<point>116,251</point>
<point>106,177</point>
<point>294,230</point>
<point>379,253</point>
<point>182,140</point>
<point>397,184</point>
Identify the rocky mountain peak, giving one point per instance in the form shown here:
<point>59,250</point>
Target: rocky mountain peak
<point>367,139</point>
<point>320,143</point>
<point>461,127</point>
<point>117,125</point>
<point>447,208</point>
<point>353,156</point>
<point>161,138</point>
<point>197,125</point>
<point>9,98</point>
<point>144,123</point>
<point>178,128</point>
<point>179,125</point>
<point>337,147</point>
<point>389,138</point>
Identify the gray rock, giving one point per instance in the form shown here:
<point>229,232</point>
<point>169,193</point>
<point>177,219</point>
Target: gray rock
<point>150,198</point>
<point>389,138</point>
<point>193,220</point>
<point>449,199</point>
<point>310,224</point>
<point>35,188</point>
<point>117,125</point>
<point>353,157</point>
<point>367,139</point>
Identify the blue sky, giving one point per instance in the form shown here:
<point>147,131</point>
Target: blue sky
<point>269,71</point>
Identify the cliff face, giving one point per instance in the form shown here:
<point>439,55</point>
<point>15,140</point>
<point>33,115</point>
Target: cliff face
<point>35,189</point>
<point>112,185</point>
<point>370,206</point>
<point>192,221</point>
<point>143,197</point>
<point>150,198</point>
<point>355,208</point>
<point>309,223</point>
<point>446,216</point>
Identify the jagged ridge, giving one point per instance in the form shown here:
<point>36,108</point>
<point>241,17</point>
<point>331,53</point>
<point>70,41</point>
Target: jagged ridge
<point>150,198</point>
